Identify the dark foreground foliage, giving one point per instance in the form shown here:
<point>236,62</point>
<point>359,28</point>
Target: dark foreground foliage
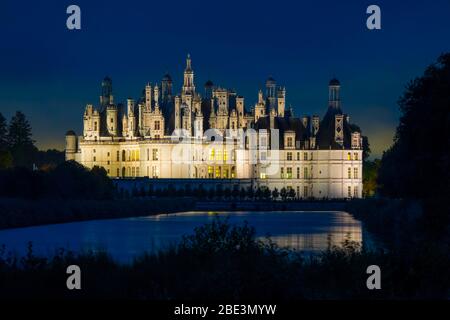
<point>224,262</point>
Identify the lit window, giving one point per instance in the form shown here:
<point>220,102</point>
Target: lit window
<point>212,154</point>
<point>155,172</point>
<point>219,155</point>
<point>289,156</point>
<point>155,154</point>
<point>289,173</point>
<point>282,172</point>
<point>290,142</point>
<point>263,175</point>
<point>349,156</point>
<point>210,172</point>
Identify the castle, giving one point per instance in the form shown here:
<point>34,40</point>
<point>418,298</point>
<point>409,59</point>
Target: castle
<point>216,137</point>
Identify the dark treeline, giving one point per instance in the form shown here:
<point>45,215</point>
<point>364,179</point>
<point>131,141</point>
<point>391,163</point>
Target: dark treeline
<point>219,193</point>
<point>417,166</point>
<point>17,147</point>
<point>69,180</point>
<point>224,262</point>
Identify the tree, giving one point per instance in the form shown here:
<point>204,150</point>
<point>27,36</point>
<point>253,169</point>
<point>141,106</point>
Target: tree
<point>259,193</point>
<point>370,174</point>
<point>250,193</point>
<point>275,193</point>
<point>283,193</point>
<point>19,131</point>
<point>266,193</point>
<point>291,193</point>
<point>418,163</point>
<point>3,133</point>
<point>6,159</point>
<point>20,143</point>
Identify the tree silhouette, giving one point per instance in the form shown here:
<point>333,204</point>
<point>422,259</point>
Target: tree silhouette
<point>275,193</point>
<point>20,143</point>
<point>283,193</point>
<point>3,133</point>
<point>418,164</point>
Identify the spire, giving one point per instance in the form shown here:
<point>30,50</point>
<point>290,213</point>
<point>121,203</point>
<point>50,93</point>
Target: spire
<point>188,63</point>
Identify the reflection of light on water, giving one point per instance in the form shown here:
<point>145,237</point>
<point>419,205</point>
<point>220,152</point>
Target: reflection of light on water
<point>319,241</point>
<point>344,229</point>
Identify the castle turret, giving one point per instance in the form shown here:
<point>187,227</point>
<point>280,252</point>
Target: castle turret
<point>281,99</point>
<point>271,93</point>
<point>177,119</point>
<point>71,145</point>
<point>111,119</point>
<point>334,98</point>
<point>188,84</point>
<point>148,97</point>
<point>107,93</point>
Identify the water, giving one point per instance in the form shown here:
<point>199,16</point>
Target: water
<point>125,238</point>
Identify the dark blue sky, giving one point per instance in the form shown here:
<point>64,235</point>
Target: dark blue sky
<point>50,73</point>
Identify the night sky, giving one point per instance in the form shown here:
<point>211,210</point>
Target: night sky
<point>50,73</point>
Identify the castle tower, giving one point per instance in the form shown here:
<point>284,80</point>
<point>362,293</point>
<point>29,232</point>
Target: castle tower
<point>334,98</point>
<point>177,124</point>
<point>106,97</point>
<point>71,145</point>
<point>156,96</point>
<point>111,120</point>
<point>260,107</point>
<point>271,93</point>
<point>315,125</point>
<point>166,88</point>
<point>188,83</point>
<point>281,101</point>
<point>148,97</point>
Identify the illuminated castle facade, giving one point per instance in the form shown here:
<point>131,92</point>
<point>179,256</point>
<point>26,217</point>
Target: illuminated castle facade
<point>215,135</point>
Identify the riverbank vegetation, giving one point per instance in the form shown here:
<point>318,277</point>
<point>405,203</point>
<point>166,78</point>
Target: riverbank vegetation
<point>222,262</point>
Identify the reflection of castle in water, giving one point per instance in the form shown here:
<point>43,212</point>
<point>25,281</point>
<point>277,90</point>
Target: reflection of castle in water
<point>346,229</point>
